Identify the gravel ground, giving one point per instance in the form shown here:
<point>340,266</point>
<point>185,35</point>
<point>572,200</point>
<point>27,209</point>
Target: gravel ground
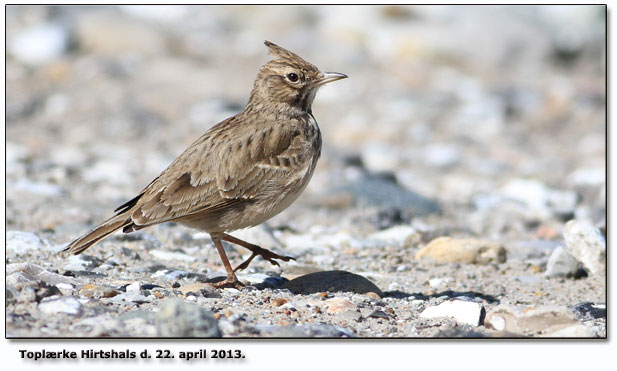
<point>461,190</point>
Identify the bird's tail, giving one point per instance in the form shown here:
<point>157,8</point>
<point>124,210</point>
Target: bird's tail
<point>97,234</point>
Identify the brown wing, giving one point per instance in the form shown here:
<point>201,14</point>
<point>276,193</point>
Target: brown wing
<point>208,177</point>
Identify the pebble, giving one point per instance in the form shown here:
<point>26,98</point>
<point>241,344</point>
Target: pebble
<point>561,264</point>
<point>588,176</point>
<point>339,305</point>
<point>278,302</point>
<point>21,242</point>
<point>526,279</point>
<point>134,287</point>
<point>462,311</point>
<point>398,234</point>
<point>539,198</point>
<point>380,158</point>
<point>76,263</point>
<point>255,278</point>
<point>94,291</point>
<point>332,281</point>
<point>587,311</point>
<point>39,44</point>
<point>62,304</point>
<point>200,289</point>
<point>551,321</point>
<point>26,272</point>
<point>305,330</point>
<point>468,250</point>
<point>533,251</point>
<point>587,245</point>
<point>176,318</point>
<point>171,255</point>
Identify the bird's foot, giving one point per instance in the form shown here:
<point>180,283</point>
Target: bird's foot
<point>266,254</point>
<point>231,280</point>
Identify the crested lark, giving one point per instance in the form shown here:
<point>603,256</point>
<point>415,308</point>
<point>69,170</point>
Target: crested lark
<point>242,171</point>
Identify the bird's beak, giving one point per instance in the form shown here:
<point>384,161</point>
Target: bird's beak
<point>329,77</point>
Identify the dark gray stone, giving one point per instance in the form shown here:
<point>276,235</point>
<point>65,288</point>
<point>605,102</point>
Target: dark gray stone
<point>331,281</point>
<point>177,318</point>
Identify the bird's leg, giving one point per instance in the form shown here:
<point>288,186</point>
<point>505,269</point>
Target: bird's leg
<point>256,250</point>
<point>231,276</point>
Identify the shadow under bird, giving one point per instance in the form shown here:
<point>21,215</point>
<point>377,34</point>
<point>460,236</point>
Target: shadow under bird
<point>242,171</point>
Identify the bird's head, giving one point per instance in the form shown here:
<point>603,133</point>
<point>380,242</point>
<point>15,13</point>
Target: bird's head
<point>289,80</point>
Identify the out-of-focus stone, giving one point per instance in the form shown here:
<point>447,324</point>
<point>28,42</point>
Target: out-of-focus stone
<point>39,44</point>
<point>339,305</point>
<point>462,311</point>
<point>63,304</point>
<point>561,264</point>
<point>550,321</point>
<point>587,245</point>
<point>468,250</point>
<point>533,251</point>
<point>399,234</point>
<point>177,318</point>
<point>25,272</point>
<point>21,242</point>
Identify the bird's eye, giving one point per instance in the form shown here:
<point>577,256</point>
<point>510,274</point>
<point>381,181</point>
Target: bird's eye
<point>292,77</point>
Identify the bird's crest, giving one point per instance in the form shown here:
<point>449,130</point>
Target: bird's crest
<point>281,53</point>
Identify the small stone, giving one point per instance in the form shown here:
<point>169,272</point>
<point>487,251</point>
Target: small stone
<point>62,304</point>
<point>158,294</point>
<point>533,251</point>
<point>379,314</point>
<point>195,288</point>
<point>537,321</point>
<point>134,287</point>
<point>26,272</point>
<point>176,318</point>
<point>305,330</point>
<point>350,315</point>
<point>93,291</point>
<point>469,251</point>
<point>39,44</point>
<point>588,176</point>
<point>191,297</point>
<point>339,305</point>
<point>380,157</point>
<point>21,242</point>
<point>397,234</point>
<point>373,295</point>
<point>588,311</point>
<point>170,255</point>
<point>561,264</point>
<point>539,198</point>
<point>462,311</point>
<point>278,302</point>
<point>587,245</point>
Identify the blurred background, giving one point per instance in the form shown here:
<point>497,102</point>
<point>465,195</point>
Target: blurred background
<point>480,120</point>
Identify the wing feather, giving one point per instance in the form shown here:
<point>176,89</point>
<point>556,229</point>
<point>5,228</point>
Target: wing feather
<point>207,177</point>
